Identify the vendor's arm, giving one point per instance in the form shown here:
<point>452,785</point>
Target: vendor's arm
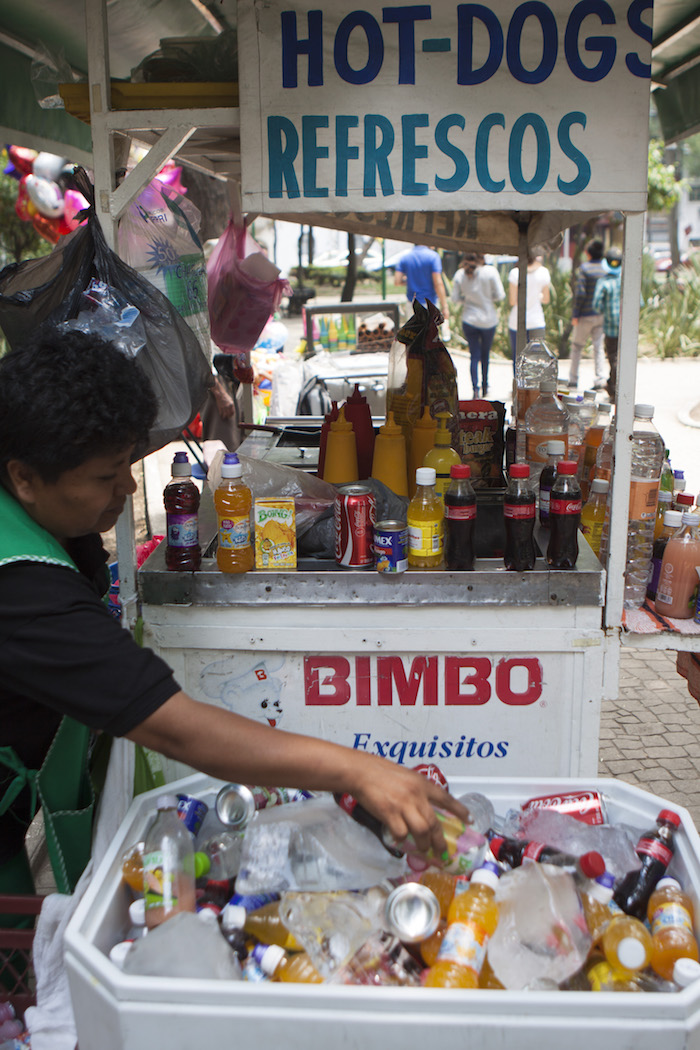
<point>439,286</point>
<point>230,747</point>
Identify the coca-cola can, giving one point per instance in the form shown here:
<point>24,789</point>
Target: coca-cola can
<point>434,773</point>
<point>588,806</point>
<point>355,514</point>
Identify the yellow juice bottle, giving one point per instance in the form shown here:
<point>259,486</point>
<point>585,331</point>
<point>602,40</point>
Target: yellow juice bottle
<point>471,920</point>
<point>422,440</point>
<point>233,502</point>
<point>425,519</point>
<point>442,456</point>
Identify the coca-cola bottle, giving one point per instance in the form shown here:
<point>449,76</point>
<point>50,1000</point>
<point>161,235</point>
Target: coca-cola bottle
<point>519,514</point>
<point>514,851</point>
<point>655,850</point>
<point>460,519</point>
<point>564,517</point>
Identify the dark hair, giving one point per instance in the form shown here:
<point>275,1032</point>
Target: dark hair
<point>595,249</point>
<point>67,396</point>
<point>471,261</point>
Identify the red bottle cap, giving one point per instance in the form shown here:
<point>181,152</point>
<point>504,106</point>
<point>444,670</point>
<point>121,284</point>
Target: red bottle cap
<point>669,817</point>
<point>519,470</point>
<point>460,470</point>
<point>592,864</point>
<point>566,466</point>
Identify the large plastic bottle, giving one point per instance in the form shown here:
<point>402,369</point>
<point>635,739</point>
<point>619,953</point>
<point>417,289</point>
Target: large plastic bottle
<point>545,420</point>
<point>426,522</point>
<point>168,865</point>
<point>626,944</point>
<point>647,461</point>
<point>593,513</point>
<point>514,851</point>
<point>233,502</point>
<point>471,920</point>
<point>678,580</point>
<point>181,501</point>
<point>671,915</point>
<point>535,363</point>
<point>655,850</point>
<point>673,519</point>
<point>442,456</point>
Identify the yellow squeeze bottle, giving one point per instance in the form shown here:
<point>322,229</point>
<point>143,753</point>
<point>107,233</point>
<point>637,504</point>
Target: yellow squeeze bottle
<point>389,459</point>
<point>422,440</point>
<point>442,456</point>
<point>340,466</point>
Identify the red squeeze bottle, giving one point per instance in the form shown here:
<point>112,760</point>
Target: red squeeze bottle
<point>325,427</point>
<point>357,411</point>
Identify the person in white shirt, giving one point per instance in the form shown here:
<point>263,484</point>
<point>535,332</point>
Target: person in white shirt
<point>538,291</point>
<point>478,286</point>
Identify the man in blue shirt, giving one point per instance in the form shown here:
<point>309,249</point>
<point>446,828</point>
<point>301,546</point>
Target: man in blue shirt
<point>420,269</point>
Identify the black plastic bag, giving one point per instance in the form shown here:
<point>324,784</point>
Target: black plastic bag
<point>49,290</point>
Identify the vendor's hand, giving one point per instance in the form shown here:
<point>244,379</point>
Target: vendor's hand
<point>405,801</point>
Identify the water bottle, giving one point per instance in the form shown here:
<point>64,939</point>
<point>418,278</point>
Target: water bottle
<point>168,865</point>
<point>577,425</point>
<point>534,364</point>
<point>545,420</point>
<point>648,452</point>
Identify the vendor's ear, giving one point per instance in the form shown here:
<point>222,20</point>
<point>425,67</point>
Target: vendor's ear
<point>23,480</point>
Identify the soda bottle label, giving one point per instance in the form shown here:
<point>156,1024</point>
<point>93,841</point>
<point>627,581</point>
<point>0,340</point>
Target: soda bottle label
<point>533,850</point>
<point>425,537</point>
<point>519,510</point>
<point>467,513</point>
<point>671,913</point>
<point>183,530</point>
<point>545,501</point>
<point>655,849</point>
<point>643,496</point>
<point>465,945</point>
<point>565,506</point>
<point>234,533</point>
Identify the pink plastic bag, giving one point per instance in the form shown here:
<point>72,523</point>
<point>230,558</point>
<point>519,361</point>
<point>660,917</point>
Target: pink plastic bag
<point>244,288</point>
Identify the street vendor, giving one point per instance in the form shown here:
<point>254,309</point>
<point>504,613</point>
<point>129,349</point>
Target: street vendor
<point>74,411</point>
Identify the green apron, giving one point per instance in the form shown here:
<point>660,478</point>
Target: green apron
<point>62,785</point>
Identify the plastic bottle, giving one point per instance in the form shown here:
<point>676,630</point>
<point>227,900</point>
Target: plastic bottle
<point>280,965</point>
<point>671,915</point>
<point>224,852</point>
<point>678,580</point>
<point>589,449</point>
<point>422,440</point>
<point>683,502</point>
<point>673,519</point>
<point>686,972</point>
<point>425,518</point>
<point>329,418</point>
<point>233,502</point>
<point>443,884</point>
<point>519,514</point>
<point>596,897</point>
<point>602,977</point>
<point>593,513</point>
<point>471,920</point>
<point>565,517</point>
<point>556,450</point>
<point>577,425</point>
<point>481,811</point>
<point>181,501</point>
<point>535,363</point>
<point>263,923</point>
<point>679,483</point>
<point>323,329</point>
<point>460,519</point>
<point>513,852</point>
<point>545,420</point>
<point>655,849</point>
<point>389,459</point>
<point>604,455</point>
<point>667,474</point>
<point>168,865</point>
<point>430,947</point>
<point>664,503</point>
<point>332,335</point>
<point>647,460</point>
<point>132,867</point>
<point>442,456</point>
<point>626,944</point>
<point>358,412</point>
<point>340,465</point>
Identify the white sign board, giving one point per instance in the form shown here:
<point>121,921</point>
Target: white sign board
<point>444,106</point>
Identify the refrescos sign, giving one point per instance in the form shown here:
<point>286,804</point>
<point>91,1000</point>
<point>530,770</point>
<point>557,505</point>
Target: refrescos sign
<point>444,106</point>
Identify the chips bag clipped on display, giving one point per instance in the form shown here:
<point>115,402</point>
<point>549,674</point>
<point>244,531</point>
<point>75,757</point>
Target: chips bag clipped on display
<point>481,441</point>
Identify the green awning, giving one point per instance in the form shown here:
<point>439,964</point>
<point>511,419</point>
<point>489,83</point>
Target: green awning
<point>675,67</point>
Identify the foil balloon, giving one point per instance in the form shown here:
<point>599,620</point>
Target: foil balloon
<point>45,195</point>
<point>22,158</point>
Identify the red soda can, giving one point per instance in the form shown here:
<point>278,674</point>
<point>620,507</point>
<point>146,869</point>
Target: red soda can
<point>434,773</point>
<point>355,515</point>
<point>586,806</point>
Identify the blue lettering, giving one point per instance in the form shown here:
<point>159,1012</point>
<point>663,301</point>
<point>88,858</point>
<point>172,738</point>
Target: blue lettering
<point>487,747</point>
<point>344,152</point>
<point>515,154</point>
<point>461,172</point>
<point>583,176</point>
<point>281,159</point>
<point>398,749</point>
<point>406,17</point>
<point>605,45</point>
<point>466,13</point>
<point>312,152</point>
<point>482,152</point>
<point>377,155</point>
<point>470,747</point>
<point>361,741</point>
<point>460,746</point>
<point>501,749</point>
<point>381,749</point>
<point>292,47</point>
<point>445,749</point>
<point>643,31</point>
<point>411,153</point>
<point>433,747</point>
<point>375,48</point>
<point>550,42</point>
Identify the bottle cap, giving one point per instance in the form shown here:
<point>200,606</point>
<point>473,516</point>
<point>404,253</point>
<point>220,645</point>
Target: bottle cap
<point>673,518</point>
<point>567,466</point>
<point>665,496</point>
<point>631,953</point>
<point>137,912</point>
<point>202,864</point>
<point>341,424</point>
<point>166,802</point>
<point>644,411</point>
<point>425,476</point>
<point>460,470</point>
<point>208,914</point>
<point>231,466</point>
<point>605,407</point>
<point>592,864</point>
<point>684,499</point>
<point>678,474</point>
<point>600,485</point>
<point>181,466</point>
<point>268,957</point>
<point>589,395</point>
<point>602,887</point>
<point>690,519</point>
<point>679,484</point>
<point>686,971</point>
<point>667,816</point>
<point>556,448</point>
<point>233,917</point>
<point>548,386</point>
<point>119,952</point>
<point>519,470</point>
<point>487,875</point>
<point>668,881</point>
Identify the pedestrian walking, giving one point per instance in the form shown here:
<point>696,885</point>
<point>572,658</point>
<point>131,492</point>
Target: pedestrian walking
<point>478,287</point>
<point>607,302</point>
<point>586,322</point>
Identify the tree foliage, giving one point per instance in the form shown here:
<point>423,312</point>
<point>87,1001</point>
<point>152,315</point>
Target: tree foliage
<point>18,239</point>
<point>664,187</point>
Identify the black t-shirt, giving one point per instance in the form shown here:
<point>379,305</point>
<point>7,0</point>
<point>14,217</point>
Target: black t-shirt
<point>63,653</point>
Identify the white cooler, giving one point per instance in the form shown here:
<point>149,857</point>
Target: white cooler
<point>117,1012</point>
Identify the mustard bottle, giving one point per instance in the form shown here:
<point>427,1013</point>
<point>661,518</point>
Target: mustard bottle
<point>340,466</point>
<point>422,440</point>
<point>389,460</point>
<point>442,456</point>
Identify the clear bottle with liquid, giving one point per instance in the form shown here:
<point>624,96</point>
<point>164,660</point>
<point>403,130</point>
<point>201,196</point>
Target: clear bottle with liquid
<point>546,420</point>
<point>673,519</point>
<point>664,503</point>
<point>533,364</point>
<point>181,502</point>
<point>426,522</point>
<point>168,865</point>
<point>594,512</point>
<point>233,502</point>
<point>577,425</point>
<point>589,449</point>
<point>678,580</point>
<point>648,451</point>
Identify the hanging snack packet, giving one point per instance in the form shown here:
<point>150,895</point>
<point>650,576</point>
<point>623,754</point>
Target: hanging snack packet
<point>481,441</point>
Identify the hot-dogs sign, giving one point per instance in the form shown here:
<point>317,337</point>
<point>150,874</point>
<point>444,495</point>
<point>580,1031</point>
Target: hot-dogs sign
<point>444,106</point>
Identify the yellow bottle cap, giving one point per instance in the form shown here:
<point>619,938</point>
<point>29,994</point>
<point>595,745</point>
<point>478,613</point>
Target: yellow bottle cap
<point>341,423</point>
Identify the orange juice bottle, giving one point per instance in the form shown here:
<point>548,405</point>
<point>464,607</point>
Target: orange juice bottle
<point>233,502</point>
<point>626,945</point>
<point>425,519</point>
<point>430,947</point>
<point>472,918</point>
<point>285,966</point>
<point>442,883</point>
<point>670,913</point>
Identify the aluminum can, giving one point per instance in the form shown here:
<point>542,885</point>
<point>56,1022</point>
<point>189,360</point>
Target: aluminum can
<point>412,912</point>
<point>586,806</point>
<point>391,546</point>
<point>355,513</point>
<point>235,806</point>
<point>191,812</point>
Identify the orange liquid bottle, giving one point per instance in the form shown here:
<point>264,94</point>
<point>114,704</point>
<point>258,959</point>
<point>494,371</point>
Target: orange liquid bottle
<point>678,580</point>
<point>132,867</point>
<point>670,913</point>
<point>430,947</point>
<point>626,945</point>
<point>282,966</point>
<point>442,883</point>
<point>233,502</point>
<point>472,918</point>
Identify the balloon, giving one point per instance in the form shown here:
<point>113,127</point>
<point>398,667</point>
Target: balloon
<point>48,166</point>
<point>22,202</point>
<point>46,196</point>
<point>47,228</point>
<point>23,159</point>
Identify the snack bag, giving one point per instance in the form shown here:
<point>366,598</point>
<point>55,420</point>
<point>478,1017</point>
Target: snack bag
<point>481,442</point>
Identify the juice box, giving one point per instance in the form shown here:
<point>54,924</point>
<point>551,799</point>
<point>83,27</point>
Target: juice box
<point>275,533</point>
